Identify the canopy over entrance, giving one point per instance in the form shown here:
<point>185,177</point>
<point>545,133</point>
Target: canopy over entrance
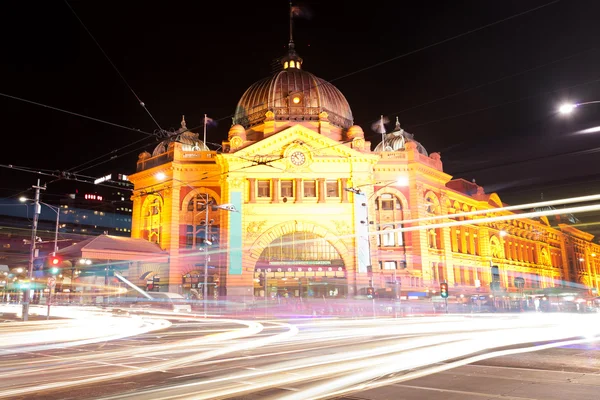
<point>300,264</point>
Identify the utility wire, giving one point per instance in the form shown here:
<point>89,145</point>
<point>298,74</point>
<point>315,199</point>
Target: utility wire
<point>447,40</point>
<point>493,81</point>
<point>161,131</point>
<point>411,52</point>
<point>114,66</point>
<point>74,113</point>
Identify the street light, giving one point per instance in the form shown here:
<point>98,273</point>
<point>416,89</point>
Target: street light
<point>568,108</point>
<point>208,203</point>
<point>57,211</point>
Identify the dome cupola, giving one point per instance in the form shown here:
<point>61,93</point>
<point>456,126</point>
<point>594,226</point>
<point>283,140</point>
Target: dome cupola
<point>397,139</point>
<point>292,94</point>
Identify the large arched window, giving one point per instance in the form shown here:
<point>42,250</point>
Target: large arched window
<point>299,246</point>
<point>389,216</point>
<point>152,211</point>
<point>202,222</point>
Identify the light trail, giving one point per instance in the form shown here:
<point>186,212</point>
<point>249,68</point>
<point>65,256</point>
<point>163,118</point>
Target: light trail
<point>366,357</point>
<point>112,358</point>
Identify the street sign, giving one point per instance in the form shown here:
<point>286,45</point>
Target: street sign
<point>51,282</point>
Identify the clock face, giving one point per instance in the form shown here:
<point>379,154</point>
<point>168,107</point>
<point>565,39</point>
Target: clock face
<point>297,158</point>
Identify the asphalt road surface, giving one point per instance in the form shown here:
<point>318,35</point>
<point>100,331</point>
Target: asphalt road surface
<point>96,354</point>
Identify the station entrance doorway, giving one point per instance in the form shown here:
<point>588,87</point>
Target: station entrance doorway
<point>300,265</point>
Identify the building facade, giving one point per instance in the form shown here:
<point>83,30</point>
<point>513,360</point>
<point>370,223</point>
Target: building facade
<point>298,204</point>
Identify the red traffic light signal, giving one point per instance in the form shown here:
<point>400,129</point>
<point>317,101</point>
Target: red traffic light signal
<point>55,261</point>
<point>444,290</point>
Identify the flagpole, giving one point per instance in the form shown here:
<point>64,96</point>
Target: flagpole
<point>291,22</point>
<point>205,130</point>
<point>382,135</point>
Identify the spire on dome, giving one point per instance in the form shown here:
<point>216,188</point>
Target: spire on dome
<point>183,126</point>
<point>397,127</point>
<point>292,59</point>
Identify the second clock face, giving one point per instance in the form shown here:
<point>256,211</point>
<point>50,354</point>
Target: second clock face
<point>298,158</point>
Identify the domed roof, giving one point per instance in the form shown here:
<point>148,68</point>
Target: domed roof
<point>397,139</point>
<point>292,94</point>
<point>188,139</point>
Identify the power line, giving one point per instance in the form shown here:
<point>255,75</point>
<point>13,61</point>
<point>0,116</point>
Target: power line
<point>141,103</point>
<point>74,113</point>
<point>162,132</point>
<point>414,51</point>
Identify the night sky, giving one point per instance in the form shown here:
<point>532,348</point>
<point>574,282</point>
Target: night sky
<point>478,81</point>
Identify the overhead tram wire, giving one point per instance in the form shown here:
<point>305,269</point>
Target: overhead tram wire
<point>75,177</point>
<point>141,103</point>
<point>75,114</point>
<point>335,79</point>
<point>230,115</point>
<point>446,97</point>
<point>412,52</point>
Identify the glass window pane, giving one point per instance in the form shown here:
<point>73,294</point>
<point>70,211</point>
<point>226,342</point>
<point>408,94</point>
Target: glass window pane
<point>287,189</point>
<point>264,189</point>
<point>310,189</point>
<point>333,189</point>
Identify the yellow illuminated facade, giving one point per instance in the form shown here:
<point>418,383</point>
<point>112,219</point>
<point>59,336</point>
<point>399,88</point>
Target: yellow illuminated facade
<point>307,208</point>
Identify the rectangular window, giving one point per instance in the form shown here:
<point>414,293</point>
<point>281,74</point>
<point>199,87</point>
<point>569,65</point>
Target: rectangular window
<point>264,189</point>
<point>387,204</point>
<point>389,265</point>
<point>400,236</point>
<point>287,189</point>
<point>386,238</point>
<point>189,236</point>
<point>333,189</point>
<point>310,189</point>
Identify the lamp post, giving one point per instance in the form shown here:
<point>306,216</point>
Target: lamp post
<point>56,210</point>
<point>363,226</point>
<point>568,108</point>
<point>208,204</point>
<point>161,176</point>
<point>36,213</point>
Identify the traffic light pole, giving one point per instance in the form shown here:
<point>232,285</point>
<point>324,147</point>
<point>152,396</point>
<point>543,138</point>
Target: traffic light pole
<point>36,214</point>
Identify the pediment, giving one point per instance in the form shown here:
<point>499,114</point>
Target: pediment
<point>298,138</point>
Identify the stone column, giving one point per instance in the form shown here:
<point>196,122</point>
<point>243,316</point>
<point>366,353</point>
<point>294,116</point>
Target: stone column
<point>252,190</point>
<point>299,190</point>
<point>321,182</point>
<point>275,196</point>
<point>344,192</point>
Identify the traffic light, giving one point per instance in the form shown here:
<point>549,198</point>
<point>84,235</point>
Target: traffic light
<point>444,290</point>
<point>55,261</point>
<point>54,264</point>
<point>370,292</point>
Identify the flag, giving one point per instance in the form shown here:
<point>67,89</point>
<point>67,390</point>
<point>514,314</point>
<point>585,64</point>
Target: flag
<point>209,121</point>
<point>300,11</point>
<point>379,125</point>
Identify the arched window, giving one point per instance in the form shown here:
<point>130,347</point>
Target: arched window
<point>152,211</point>
<point>388,207</point>
<point>202,222</point>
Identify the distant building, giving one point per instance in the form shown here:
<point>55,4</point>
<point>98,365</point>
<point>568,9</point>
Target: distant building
<point>84,210</point>
<point>104,207</point>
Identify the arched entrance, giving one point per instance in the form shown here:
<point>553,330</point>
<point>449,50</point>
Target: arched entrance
<point>300,264</point>
<point>193,284</point>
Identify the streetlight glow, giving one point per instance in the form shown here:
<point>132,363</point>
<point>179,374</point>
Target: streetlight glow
<point>567,108</point>
<point>160,176</point>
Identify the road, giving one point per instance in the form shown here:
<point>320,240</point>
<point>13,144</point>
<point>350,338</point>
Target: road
<point>109,355</point>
